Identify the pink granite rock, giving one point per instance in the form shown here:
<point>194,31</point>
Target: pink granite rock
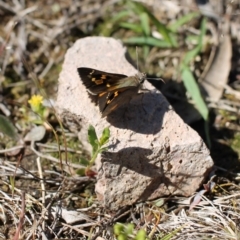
<point>152,152</point>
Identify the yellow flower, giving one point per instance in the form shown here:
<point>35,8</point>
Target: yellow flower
<point>35,101</point>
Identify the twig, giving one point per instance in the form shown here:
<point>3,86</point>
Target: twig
<point>11,149</point>
<point>53,159</point>
<point>42,185</point>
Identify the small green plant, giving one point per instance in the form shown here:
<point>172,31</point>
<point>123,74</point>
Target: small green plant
<point>97,146</point>
<point>143,26</point>
<point>126,232</point>
<point>138,19</point>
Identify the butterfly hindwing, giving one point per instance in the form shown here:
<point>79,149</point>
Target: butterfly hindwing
<point>108,102</point>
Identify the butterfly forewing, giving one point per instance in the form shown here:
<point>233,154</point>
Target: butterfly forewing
<point>98,81</point>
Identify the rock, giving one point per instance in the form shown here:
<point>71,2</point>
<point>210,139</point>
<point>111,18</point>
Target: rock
<point>152,152</point>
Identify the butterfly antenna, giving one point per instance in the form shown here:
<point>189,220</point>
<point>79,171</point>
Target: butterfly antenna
<point>156,79</point>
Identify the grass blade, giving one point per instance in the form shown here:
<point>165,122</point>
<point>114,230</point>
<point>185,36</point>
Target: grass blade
<point>131,26</point>
<point>183,20</point>
<point>193,89</point>
<point>150,41</point>
<point>145,24</point>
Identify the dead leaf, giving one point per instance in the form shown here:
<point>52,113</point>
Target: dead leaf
<point>216,77</point>
<point>36,134</point>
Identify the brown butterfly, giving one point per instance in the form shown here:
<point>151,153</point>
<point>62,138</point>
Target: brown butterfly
<point>113,90</point>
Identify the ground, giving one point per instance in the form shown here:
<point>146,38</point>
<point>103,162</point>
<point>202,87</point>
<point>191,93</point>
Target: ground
<point>184,43</point>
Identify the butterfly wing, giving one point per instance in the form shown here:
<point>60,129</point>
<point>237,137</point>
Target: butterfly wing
<point>98,82</point>
<point>110,101</point>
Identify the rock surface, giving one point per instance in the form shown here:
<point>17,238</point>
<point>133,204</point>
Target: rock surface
<point>151,153</point>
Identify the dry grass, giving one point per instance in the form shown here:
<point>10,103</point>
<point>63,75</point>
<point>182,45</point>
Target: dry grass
<point>41,195</point>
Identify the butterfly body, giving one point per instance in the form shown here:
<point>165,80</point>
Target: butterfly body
<point>113,90</point>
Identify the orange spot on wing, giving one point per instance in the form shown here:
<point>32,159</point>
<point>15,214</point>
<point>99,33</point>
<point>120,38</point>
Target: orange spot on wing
<point>101,94</point>
<point>98,82</point>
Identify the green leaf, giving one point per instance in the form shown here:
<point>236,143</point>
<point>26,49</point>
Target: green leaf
<point>193,89</point>
<point>81,172</point>
<point>7,128</point>
<point>183,20</point>
<point>194,52</point>
<point>107,28</point>
<point>129,228</point>
<point>118,228</point>
<point>132,26</point>
<point>84,162</point>
<point>191,55</point>
<point>120,15</point>
<point>146,50</point>
<point>145,24</point>
<point>92,138</point>
<point>105,136</point>
<point>137,8</point>
<point>150,41</point>
<point>122,237</point>
<point>12,183</point>
<point>141,235</point>
<point>203,29</point>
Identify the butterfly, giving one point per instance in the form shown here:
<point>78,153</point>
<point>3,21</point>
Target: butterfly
<point>112,90</point>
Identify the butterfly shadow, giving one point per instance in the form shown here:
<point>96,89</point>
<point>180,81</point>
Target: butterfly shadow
<point>143,114</point>
<point>135,159</point>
